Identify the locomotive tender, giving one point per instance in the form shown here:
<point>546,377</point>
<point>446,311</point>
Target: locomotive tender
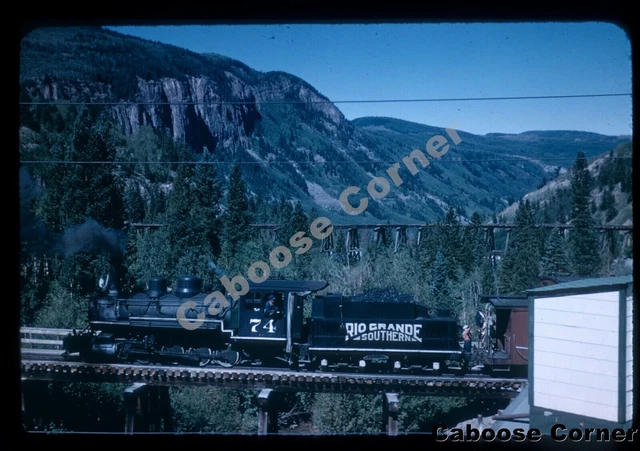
<point>368,332</point>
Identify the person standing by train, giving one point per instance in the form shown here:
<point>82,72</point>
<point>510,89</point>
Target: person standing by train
<point>466,338</point>
<point>271,310</point>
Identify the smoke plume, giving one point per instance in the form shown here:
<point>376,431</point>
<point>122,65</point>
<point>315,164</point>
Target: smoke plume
<point>91,237</point>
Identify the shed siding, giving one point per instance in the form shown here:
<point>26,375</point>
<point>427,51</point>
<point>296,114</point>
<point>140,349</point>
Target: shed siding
<point>573,348</point>
<point>569,362</point>
<point>577,407</point>
<point>576,354</point>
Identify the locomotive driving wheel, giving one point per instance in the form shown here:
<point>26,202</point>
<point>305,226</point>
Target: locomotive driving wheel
<point>198,352</point>
<point>172,349</point>
<point>229,358</point>
<point>205,362</point>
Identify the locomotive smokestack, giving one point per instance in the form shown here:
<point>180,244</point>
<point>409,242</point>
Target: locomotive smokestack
<point>91,237</point>
<point>114,275</point>
<point>113,281</point>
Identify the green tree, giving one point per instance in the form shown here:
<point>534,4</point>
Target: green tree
<point>192,230</point>
<point>473,246</point>
<point>157,203</point>
<point>451,245</point>
<point>77,192</point>
<point>583,238</point>
<point>134,203</point>
<point>208,195</point>
<point>608,204</point>
<point>421,413</point>
<point>519,269</point>
<point>182,203</point>
<point>213,410</point>
<point>555,261</point>
<point>297,222</point>
<point>235,221</point>
<point>440,289</point>
<point>347,413</point>
<point>488,277</point>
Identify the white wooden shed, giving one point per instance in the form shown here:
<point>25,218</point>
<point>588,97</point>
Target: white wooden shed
<point>581,354</point>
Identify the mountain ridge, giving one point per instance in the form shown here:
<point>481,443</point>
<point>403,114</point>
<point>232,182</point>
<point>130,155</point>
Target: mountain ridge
<point>301,145</point>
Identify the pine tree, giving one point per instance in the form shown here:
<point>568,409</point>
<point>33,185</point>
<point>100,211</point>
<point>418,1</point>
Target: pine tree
<point>451,236</point>
<point>472,248</point>
<point>583,238</point>
<point>439,292</point>
<point>488,277</point>
<point>75,193</point>
<point>157,203</point>
<point>298,222</point>
<point>236,218</point>
<point>519,269</point>
<point>208,194</point>
<point>608,204</point>
<point>179,210</point>
<point>285,215</point>
<point>555,261</point>
<point>134,203</point>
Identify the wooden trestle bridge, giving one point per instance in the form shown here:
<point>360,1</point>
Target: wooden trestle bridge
<point>382,233</point>
<point>146,396</point>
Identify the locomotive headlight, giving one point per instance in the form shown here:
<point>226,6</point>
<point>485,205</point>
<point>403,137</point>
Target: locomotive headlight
<point>362,363</point>
<point>323,362</point>
<point>436,365</point>
<point>396,365</point>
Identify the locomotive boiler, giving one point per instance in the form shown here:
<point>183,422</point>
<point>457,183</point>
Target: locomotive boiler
<point>375,331</point>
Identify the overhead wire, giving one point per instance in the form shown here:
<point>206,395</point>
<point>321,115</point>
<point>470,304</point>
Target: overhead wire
<point>124,162</point>
<point>128,103</point>
<point>303,102</point>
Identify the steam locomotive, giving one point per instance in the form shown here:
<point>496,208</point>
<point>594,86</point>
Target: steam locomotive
<point>370,332</point>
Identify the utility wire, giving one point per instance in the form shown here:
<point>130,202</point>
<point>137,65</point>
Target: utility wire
<point>520,160</point>
<point>303,102</point>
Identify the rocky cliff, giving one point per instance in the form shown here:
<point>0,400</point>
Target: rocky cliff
<point>299,144</point>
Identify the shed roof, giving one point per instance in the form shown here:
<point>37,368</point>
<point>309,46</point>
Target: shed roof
<point>506,301</point>
<point>593,284</point>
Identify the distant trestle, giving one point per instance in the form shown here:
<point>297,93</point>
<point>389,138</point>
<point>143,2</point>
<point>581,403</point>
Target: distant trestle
<point>399,231</point>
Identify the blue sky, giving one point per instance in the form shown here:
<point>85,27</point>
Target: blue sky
<point>425,61</point>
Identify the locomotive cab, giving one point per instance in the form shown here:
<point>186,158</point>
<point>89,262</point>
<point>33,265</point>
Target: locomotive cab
<point>261,332</point>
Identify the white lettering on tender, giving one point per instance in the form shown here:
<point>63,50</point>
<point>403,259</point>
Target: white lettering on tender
<point>383,332</point>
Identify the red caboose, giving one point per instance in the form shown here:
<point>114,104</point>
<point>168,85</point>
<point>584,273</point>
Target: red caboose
<point>505,334</point>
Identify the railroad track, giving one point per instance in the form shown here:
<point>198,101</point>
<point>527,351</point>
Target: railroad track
<point>47,362</point>
<point>263,378</point>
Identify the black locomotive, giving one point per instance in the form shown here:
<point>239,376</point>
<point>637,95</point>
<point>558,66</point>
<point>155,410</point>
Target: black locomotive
<point>187,325</point>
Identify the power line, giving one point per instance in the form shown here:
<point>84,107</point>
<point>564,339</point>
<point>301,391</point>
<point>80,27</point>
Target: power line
<point>520,160</point>
<point>303,102</point>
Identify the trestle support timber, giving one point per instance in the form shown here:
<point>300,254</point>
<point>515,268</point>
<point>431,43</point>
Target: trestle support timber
<point>390,414</point>
<point>145,407</point>
<point>135,402</point>
<point>267,412</point>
